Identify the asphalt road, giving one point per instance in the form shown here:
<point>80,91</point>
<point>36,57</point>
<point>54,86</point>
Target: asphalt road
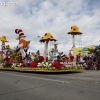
<point>66,86</point>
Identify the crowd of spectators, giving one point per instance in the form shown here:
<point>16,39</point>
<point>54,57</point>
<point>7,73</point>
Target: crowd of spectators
<point>89,62</point>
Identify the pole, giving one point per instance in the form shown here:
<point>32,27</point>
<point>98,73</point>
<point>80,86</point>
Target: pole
<point>74,50</point>
<point>46,51</point>
<point>55,47</point>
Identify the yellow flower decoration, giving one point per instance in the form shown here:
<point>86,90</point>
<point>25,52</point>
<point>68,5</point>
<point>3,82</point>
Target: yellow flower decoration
<point>74,30</point>
<point>47,36</point>
<point>3,38</point>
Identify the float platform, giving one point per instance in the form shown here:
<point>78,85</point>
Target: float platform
<point>44,70</point>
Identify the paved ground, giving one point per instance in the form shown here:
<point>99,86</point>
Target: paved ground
<point>66,86</point>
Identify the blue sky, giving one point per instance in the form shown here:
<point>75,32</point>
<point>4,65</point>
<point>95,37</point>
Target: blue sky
<point>36,17</point>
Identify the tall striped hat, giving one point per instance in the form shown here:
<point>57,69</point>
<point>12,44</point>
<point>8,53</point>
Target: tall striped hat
<point>20,32</point>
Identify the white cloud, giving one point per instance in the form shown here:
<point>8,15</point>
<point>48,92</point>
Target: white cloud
<point>36,17</point>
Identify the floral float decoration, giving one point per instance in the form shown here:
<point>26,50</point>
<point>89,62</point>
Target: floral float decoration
<point>46,38</point>
<point>44,65</point>
<point>35,61</point>
<point>74,30</point>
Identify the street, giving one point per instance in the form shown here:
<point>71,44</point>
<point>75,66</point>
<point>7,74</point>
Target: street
<point>83,85</point>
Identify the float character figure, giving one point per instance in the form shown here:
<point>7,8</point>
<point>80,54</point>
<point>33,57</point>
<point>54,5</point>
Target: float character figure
<point>3,40</point>
<point>8,54</point>
<point>23,45</point>
<point>3,46</point>
<point>3,55</point>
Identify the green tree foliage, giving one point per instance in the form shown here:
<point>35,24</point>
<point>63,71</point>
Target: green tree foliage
<point>91,50</point>
<point>97,51</point>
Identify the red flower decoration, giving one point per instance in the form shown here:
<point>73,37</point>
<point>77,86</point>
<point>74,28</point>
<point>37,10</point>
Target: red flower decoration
<point>71,57</point>
<point>33,64</point>
<point>56,64</point>
<point>41,58</point>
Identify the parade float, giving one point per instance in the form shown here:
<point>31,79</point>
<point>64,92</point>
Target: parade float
<point>18,59</point>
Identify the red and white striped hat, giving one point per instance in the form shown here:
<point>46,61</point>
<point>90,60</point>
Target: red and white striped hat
<point>20,32</point>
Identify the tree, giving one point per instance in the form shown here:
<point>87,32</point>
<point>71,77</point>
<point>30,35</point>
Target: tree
<point>91,50</point>
<point>97,51</point>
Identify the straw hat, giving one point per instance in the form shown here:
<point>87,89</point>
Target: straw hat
<point>7,47</point>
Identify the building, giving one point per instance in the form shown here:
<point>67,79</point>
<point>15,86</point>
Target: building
<point>84,50</point>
